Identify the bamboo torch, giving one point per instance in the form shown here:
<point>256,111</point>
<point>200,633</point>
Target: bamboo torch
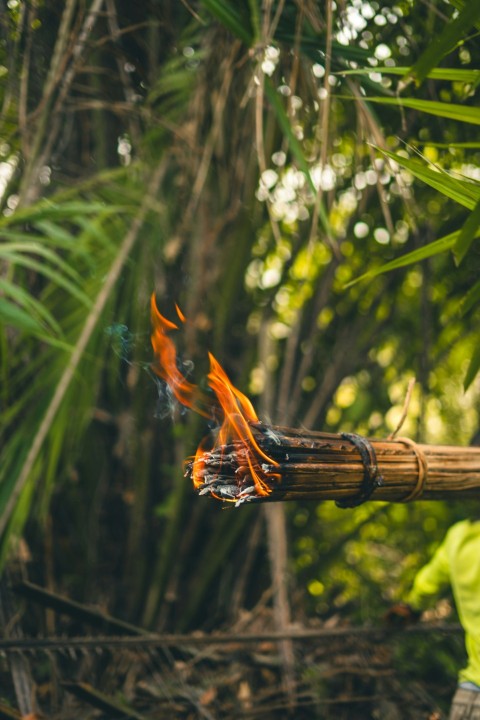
<point>347,468</point>
<point>247,461</point>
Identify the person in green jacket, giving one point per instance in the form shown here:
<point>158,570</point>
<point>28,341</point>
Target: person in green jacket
<point>456,563</point>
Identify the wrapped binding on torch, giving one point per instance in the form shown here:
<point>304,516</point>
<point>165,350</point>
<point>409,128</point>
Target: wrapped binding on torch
<point>244,460</point>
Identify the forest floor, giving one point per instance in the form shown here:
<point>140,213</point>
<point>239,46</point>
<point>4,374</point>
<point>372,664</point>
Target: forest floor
<point>339,672</point>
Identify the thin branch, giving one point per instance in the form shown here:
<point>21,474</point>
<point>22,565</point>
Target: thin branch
<point>291,387</point>
<point>373,634</point>
<point>128,89</point>
<point>24,78</point>
<point>382,196</point>
<point>202,172</point>
<point>259,131</point>
<point>406,404</point>
<point>325,126</point>
<point>42,147</point>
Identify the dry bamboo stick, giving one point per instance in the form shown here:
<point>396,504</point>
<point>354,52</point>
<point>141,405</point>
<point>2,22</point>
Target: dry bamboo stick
<point>156,640</point>
<point>308,465</point>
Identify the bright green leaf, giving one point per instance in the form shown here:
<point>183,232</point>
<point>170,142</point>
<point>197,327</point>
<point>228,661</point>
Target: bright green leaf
<point>10,249</point>
<point>451,74</point>
<point>466,145</point>
<point>434,248</point>
<point>440,45</point>
<point>462,191</point>
<point>55,210</point>
<point>12,314</point>
<point>43,269</point>
<point>255,17</point>
<point>228,15</point>
<point>462,113</point>
<point>467,234</point>
<point>30,304</point>
<point>473,367</point>
<point>470,299</point>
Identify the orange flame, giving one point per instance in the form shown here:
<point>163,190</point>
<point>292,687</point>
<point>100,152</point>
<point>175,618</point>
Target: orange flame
<point>165,364</point>
<point>235,410</point>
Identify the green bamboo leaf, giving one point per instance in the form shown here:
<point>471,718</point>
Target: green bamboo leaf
<point>311,43</point>
<point>53,210</point>
<point>465,145</point>
<point>59,237</point>
<point>112,178</point>
<point>22,510</point>
<point>462,113</point>
<point>44,269</point>
<point>93,229</point>
<point>459,5</point>
<point>12,314</point>
<point>44,365</point>
<point>473,367</point>
<point>451,74</point>
<point>284,123</point>
<point>470,299</point>
<point>256,21</point>
<point>467,234</point>
<point>55,342</point>
<point>38,249</point>
<point>30,304</point>
<point>434,248</point>
<point>18,236</point>
<point>446,41</point>
<point>55,233</point>
<point>173,84</point>
<point>462,191</point>
<point>15,316</point>
<point>55,394</point>
<point>228,16</point>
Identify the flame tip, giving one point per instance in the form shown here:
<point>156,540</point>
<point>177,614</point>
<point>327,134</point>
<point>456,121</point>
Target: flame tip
<point>238,412</point>
<point>180,314</point>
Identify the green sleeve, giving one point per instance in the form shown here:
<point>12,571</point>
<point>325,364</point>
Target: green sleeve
<point>430,580</point>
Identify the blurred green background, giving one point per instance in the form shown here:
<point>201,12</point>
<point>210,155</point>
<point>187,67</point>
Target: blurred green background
<point>249,161</point>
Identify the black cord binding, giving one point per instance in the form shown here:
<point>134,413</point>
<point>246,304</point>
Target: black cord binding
<point>371,475</point>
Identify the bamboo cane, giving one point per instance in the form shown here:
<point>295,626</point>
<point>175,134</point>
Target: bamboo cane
<point>306,465</point>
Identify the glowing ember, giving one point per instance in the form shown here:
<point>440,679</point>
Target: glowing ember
<point>230,408</point>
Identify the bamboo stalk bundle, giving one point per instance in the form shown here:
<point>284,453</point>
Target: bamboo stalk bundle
<point>306,465</point>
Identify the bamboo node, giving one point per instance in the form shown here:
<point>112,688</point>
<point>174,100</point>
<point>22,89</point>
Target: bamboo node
<point>422,463</point>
